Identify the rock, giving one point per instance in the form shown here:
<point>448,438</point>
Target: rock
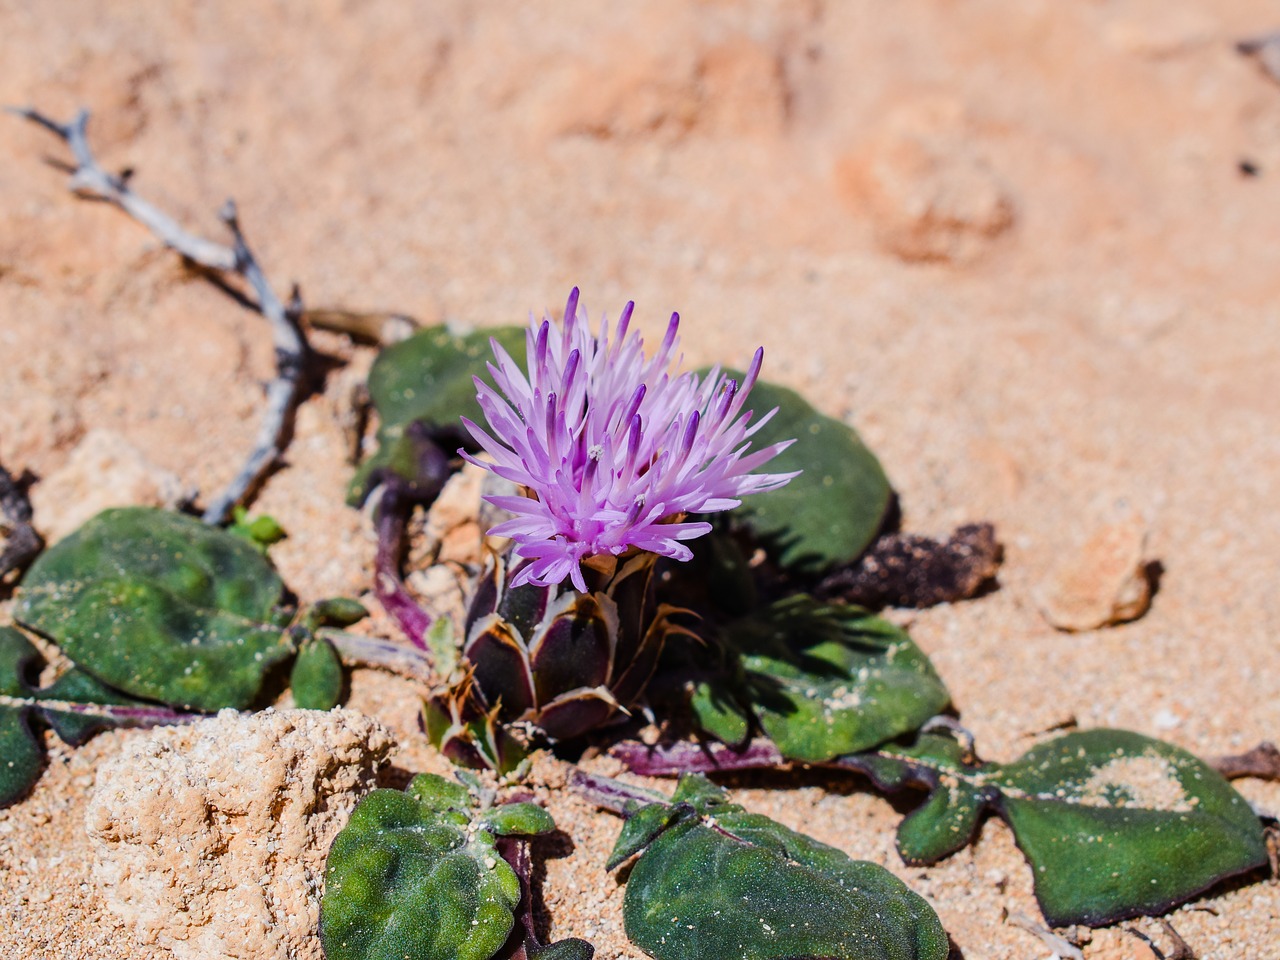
<point>210,839</point>
<point>439,588</point>
<point>104,470</point>
<point>929,191</point>
<point>1104,581</point>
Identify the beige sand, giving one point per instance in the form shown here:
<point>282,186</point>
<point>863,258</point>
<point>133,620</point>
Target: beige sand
<point>1009,242</point>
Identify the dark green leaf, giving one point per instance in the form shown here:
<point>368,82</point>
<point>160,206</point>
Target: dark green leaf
<point>718,883</point>
<point>719,714</point>
<point>426,379</point>
<point>76,705</point>
<point>335,612</point>
<point>1114,824</point>
<point>417,874</point>
<point>831,512</point>
<point>161,606</point>
<point>21,752</point>
<point>822,680</point>
<point>317,676</point>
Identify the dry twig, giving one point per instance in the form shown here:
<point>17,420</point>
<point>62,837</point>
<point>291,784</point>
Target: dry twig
<point>89,179</point>
<point>1061,948</point>
<point>1263,761</point>
<point>21,542</point>
<point>1179,948</point>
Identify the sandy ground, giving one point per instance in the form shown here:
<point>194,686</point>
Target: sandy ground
<point>1011,243</point>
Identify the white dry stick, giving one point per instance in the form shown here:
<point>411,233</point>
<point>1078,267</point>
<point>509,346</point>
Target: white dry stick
<point>1062,949</point>
<point>89,179</point>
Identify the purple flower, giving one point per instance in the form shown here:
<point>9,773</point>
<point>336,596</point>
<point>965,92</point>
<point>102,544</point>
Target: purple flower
<point>613,448</point>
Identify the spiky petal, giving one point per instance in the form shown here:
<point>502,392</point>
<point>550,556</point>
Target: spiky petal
<point>614,447</point>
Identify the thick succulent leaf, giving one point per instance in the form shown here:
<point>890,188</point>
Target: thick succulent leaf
<point>468,733</point>
<point>1114,824</point>
<point>161,606</point>
<point>633,593</point>
<point>501,662</point>
<point>524,606</point>
<point>823,680</point>
<point>577,712</point>
<point>830,513</point>
<point>717,883</point>
<point>417,874</point>
<point>75,705</point>
<point>316,678</point>
<point>426,379</point>
<point>573,647</point>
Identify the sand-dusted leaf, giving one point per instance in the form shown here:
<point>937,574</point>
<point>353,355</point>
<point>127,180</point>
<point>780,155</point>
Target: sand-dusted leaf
<point>1114,824</point>
<point>316,678</point>
<point>418,874</point>
<point>75,705</point>
<point>832,511</point>
<point>426,379</point>
<point>821,680</point>
<point>714,882</point>
<point>161,606</point>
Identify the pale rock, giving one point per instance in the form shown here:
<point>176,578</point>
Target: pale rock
<point>440,589</point>
<point>929,191</point>
<point>1103,581</point>
<point>104,470</point>
<point>451,529</point>
<point>210,839</point>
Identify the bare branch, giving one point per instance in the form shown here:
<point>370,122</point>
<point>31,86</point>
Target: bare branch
<point>1060,947</point>
<point>1263,761</point>
<point>1265,49</point>
<point>21,542</point>
<point>359,650</point>
<point>89,179</point>
<point>283,393</point>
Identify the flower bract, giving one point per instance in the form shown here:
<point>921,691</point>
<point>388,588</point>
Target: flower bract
<point>614,448</point>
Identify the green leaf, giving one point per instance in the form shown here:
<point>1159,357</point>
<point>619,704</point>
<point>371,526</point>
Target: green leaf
<point>518,819</point>
<point>317,676</point>
<point>335,612</point>
<point>1114,824</point>
<point>720,714</point>
<point>161,606</point>
<point>21,752</point>
<point>718,883</point>
<point>822,680</point>
<point>417,874</point>
<point>425,379</point>
<point>262,531</point>
<point>831,512</point>
<point>76,705</point>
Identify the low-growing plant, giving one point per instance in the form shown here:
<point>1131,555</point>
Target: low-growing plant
<point>684,546</point>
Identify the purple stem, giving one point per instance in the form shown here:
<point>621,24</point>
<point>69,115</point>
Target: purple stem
<point>610,794</point>
<point>672,759</point>
<point>125,716</point>
<point>357,649</point>
<point>391,518</point>
<point>515,850</point>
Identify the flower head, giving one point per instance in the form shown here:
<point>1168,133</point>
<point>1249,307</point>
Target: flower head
<point>613,447</point>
